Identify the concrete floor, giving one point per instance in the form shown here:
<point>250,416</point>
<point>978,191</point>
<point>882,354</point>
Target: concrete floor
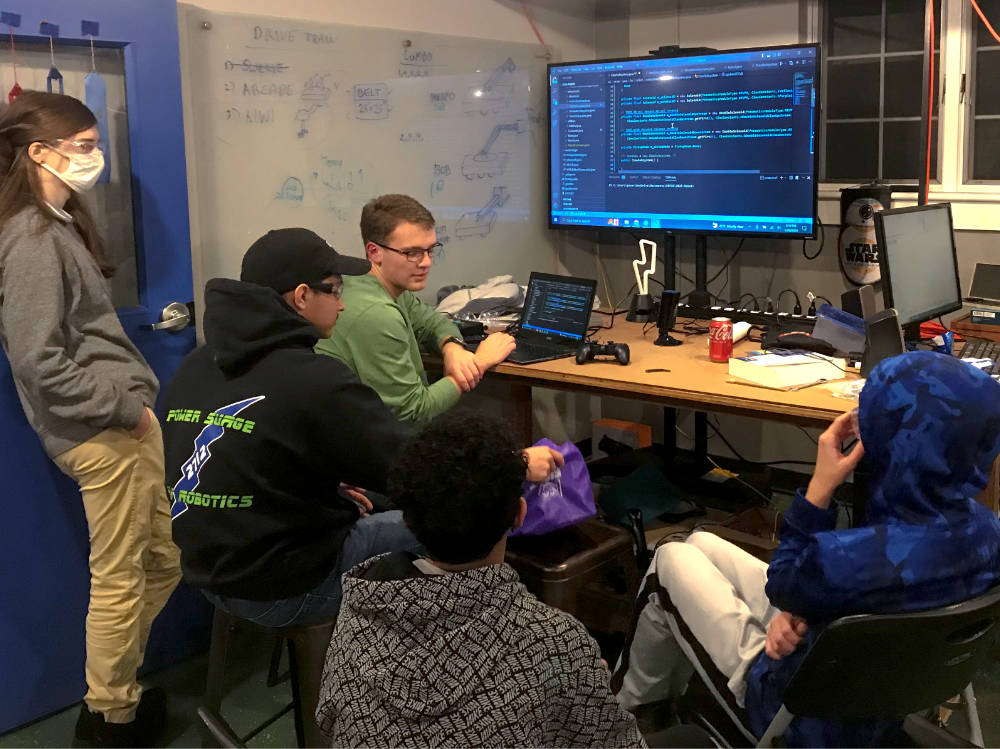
<point>250,702</point>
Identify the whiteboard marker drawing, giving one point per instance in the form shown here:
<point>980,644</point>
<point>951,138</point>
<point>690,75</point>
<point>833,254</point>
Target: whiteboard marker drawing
<point>492,96</point>
<point>292,189</point>
<point>315,94</point>
<point>480,223</point>
<point>485,165</point>
<point>371,101</point>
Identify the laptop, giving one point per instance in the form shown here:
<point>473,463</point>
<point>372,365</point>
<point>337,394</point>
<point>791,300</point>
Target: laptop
<point>554,318</point>
<point>985,286</point>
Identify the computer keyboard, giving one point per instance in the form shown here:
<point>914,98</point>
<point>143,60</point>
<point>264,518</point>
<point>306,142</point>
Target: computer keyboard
<point>981,348</point>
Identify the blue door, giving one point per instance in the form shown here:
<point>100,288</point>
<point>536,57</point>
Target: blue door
<point>44,581</point>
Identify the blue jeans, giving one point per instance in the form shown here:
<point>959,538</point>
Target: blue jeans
<point>377,534</point>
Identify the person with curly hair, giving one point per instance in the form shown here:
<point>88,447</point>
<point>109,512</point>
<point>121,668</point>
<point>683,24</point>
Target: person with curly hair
<point>450,649</point>
<point>88,393</point>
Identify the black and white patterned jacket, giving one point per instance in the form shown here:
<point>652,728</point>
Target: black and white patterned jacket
<point>462,659</point>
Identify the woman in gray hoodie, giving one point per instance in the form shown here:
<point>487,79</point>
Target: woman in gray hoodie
<point>87,392</point>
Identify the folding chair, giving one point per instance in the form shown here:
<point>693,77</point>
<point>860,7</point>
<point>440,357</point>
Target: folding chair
<point>889,666</point>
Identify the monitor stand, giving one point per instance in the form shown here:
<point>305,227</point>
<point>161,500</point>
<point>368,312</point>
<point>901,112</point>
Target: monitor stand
<point>699,297</point>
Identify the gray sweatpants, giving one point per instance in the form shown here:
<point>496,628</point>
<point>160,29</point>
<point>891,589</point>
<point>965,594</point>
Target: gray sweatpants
<point>718,592</point>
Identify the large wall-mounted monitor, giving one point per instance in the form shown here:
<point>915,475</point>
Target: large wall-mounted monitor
<point>720,143</point>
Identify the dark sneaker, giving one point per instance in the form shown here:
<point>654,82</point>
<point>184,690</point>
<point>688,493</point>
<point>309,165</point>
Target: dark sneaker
<point>151,715</point>
<point>85,724</point>
<point>93,730</point>
<point>150,720</point>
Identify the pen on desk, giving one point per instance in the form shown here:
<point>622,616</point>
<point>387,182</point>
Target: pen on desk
<point>657,369</point>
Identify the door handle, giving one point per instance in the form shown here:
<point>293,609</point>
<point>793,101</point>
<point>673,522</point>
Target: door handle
<point>174,317</point>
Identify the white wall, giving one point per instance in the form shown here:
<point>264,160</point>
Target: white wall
<point>566,25</point>
<point>721,24</point>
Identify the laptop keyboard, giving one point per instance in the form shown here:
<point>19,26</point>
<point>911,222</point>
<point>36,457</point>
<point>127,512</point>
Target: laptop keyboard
<point>541,349</point>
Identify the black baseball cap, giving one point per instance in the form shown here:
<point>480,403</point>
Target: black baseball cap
<point>284,258</point>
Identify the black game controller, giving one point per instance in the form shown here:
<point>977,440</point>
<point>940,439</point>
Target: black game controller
<point>588,350</point>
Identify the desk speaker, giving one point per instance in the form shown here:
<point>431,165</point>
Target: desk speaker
<point>883,339</point>
<point>860,302</point>
<point>666,317</point>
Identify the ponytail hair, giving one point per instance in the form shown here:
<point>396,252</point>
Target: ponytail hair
<point>36,116</point>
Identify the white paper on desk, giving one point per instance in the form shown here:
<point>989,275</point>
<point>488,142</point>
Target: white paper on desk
<point>780,359</point>
<point>783,388</point>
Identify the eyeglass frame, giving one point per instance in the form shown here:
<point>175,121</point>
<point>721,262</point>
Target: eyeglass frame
<point>336,290</point>
<point>415,255</point>
<point>78,145</point>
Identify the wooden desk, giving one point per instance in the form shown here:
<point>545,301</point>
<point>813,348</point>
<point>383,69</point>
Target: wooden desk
<point>693,381</point>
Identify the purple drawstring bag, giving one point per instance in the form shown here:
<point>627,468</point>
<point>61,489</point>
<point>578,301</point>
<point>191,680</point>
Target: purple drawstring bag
<point>564,498</point>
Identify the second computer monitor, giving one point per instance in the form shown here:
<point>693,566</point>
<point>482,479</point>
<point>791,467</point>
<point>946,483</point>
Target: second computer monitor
<point>919,266</point>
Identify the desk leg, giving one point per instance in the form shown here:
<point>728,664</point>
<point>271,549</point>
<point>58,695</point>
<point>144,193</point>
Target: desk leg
<point>701,439</point>
<point>520,414</point>
<point>669,434</point>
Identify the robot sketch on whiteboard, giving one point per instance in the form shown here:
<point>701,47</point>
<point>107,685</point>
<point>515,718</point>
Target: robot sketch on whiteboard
<point>480,223</point>
<point>315,94</point>
<point>291,190</point>
<point>493,96</point>
<point>485,165</point>
<point>371,101</point>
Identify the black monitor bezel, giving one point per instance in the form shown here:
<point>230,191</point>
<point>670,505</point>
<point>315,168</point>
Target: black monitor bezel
<point>678,232</point>
<point>885,264</point>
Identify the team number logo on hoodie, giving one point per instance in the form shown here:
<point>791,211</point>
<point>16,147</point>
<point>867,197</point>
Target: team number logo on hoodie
<point>191,470</point>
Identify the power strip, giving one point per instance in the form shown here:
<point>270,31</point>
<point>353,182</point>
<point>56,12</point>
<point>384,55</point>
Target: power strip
<point>754,318</point>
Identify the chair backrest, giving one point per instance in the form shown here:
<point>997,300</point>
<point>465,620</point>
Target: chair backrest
<point>889,665</point>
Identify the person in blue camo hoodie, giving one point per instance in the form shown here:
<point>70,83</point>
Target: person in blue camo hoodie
<point>929,425</point>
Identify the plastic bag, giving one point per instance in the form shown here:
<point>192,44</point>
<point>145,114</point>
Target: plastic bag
<point>564,498</point>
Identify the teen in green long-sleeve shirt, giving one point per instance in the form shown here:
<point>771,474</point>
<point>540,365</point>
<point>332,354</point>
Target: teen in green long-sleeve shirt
<point>385,326</point>
<point>380,339</point>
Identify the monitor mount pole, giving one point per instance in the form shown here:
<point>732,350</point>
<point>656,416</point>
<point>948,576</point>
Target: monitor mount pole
<point>669,283</point>
<point>700,298</point>
<point>697,298</point>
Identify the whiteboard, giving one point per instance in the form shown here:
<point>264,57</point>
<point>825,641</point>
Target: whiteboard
<point>293,123</point>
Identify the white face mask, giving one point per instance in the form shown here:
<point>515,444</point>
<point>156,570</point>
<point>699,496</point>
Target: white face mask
<point>83,170</point>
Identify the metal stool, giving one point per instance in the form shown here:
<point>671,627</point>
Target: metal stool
<point>587,570</point>
<point>306,654</point>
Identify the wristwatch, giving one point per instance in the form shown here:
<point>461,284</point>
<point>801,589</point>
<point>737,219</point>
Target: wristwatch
<point>451,339</point>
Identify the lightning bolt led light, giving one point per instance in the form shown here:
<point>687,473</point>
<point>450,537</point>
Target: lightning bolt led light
<point>642,280</point>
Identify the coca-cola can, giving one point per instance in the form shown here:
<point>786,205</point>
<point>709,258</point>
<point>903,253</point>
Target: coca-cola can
<point>720,339</point>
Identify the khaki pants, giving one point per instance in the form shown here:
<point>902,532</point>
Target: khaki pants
<point>717,590</point>
<point>134,564</point>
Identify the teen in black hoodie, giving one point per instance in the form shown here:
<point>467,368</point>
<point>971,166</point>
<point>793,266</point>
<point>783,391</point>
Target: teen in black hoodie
<point>260,432</point>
